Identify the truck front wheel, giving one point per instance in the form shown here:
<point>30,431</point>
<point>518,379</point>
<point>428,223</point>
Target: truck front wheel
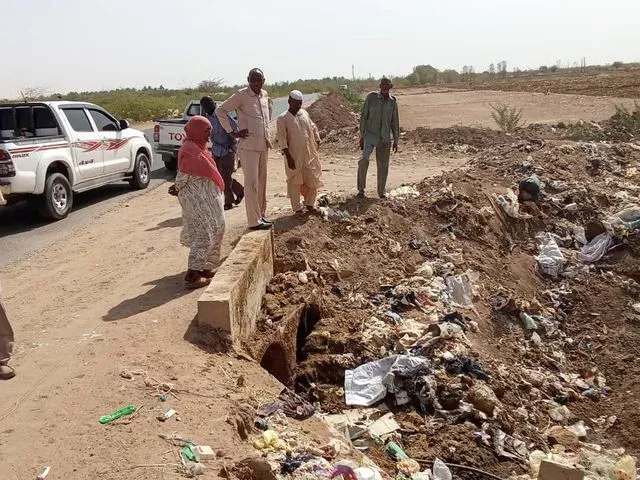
<point>170,162</point>
<point>58,197</point>
<point>141,172</point>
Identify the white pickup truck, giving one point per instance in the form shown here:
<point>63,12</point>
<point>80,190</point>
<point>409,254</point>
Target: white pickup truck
<point>51,150</point>
<point>168,134</point>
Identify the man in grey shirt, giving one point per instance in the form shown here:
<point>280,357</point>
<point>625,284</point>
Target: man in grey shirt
<point>379,123</point>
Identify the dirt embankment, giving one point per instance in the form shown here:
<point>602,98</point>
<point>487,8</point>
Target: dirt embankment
<point>623,83</point>
<point>332,112</point>
<point>383,270</point>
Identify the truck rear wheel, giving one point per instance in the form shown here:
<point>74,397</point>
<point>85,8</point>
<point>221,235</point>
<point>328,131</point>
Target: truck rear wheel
<point>170,162</point>
<point>58,197</point>
<point>141,172</point>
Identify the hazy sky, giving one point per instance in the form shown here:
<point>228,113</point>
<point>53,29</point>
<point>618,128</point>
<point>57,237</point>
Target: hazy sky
<point>68,45</point>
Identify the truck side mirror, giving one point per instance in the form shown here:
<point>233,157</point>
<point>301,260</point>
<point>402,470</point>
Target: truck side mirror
<point>124,124</point>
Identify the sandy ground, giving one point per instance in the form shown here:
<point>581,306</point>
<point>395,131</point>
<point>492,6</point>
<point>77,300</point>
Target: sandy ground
<point>435,108</point>
<point>111,297</point>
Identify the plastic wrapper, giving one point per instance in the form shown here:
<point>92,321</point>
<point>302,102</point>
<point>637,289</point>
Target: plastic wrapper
<point>596,248</point>
<point>364,386</point>
<point>550,258</point>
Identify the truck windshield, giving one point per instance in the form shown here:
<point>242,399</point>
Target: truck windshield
<point>194,109</point>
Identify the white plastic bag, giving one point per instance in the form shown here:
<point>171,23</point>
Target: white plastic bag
<point>364,385</point>
<point>441,471</point>
<point>550,258</point>
<point>596,248</point>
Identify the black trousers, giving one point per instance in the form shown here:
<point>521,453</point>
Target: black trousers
<point>233,189</point>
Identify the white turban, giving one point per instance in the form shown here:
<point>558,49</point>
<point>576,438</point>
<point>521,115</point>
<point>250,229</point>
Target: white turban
<point>296,94</point>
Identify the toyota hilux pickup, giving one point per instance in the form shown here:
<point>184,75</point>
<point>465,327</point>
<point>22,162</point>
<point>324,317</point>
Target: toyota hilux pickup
<point>51,150</point>
<point>168,134</point>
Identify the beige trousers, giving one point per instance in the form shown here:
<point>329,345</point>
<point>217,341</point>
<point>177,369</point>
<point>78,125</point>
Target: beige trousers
<point>310,194</point>
<point>254,166</point>
<point>6,335</point>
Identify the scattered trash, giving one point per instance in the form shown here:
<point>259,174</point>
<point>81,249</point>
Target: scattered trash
<point>415,244</point>
<point>166,415</point>
<point>364,385</point>
<point>579,429</point>
<point>458,365</point>
<point>162,397</point>
<point>128,410</point>
<point>367,473</point>
<point>334,215</point>
<point>460,289</point>
<point>596,248</point>
<point>203,452</point>
<point>404,192</point>
<point>188,453</point>
<point>529,189</point>
<point>396,451</point>
<point>292,404</point>
<point>556,471</point>
<point>528,323</point>
<point>508,446</point>
<point>441,471</point>
<point>44,473</point>
<point>408,467</point>
<point>550,258</point>
<point>624,469</point>
<point>384,425</point>
<point>269,442</point>
<point>126,374</point>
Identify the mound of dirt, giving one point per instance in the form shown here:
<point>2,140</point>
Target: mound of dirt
<point>332,112</point>
<point>379,264</point>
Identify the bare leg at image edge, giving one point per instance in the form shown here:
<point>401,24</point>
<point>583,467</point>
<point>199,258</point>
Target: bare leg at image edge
<point>6,344</point>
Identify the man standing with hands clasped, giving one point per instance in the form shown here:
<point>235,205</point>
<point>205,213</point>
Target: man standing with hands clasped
<point>299,139</point>
<point>379,122</point>
<point>252,107</point>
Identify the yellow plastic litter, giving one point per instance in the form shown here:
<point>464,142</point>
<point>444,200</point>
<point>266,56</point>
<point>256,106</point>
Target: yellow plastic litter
<point>408,466</point>
<point>625,469</point>
<point>269,442</point>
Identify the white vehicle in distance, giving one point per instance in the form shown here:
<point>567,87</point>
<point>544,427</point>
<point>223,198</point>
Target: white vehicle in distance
<point>168,134</point>
<point>51,150</point>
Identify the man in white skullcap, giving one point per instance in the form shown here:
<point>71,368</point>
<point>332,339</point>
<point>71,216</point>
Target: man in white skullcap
<point>298,138</point>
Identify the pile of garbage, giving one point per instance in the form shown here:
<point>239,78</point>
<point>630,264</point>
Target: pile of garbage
<point>484,318</point>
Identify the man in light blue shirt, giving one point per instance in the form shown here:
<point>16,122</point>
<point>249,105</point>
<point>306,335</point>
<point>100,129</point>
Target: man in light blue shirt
<point>223,148</point>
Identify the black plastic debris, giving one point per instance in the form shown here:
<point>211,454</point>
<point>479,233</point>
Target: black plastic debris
<point>459,365</point>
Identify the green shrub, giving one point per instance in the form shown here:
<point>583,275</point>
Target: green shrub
<point>354,99</point>
<point>507,118</point>
<point>625,120</point>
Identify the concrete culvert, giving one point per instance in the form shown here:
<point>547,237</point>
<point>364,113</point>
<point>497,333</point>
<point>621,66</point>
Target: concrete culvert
<point>276,362</point>
<point>309,318</point>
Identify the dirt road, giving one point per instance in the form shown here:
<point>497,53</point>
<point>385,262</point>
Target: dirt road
<point>110,297</point>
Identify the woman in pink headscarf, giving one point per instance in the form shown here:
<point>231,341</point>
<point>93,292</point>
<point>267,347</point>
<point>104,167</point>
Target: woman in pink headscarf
<point>200,191</point>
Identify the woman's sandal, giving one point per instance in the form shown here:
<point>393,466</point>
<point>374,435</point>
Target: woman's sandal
<point>194,280</point>
<point>207,273</point>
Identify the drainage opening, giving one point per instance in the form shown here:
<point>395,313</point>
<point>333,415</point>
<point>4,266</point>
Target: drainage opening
<point>309,318</point>
<point>275,362</point>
